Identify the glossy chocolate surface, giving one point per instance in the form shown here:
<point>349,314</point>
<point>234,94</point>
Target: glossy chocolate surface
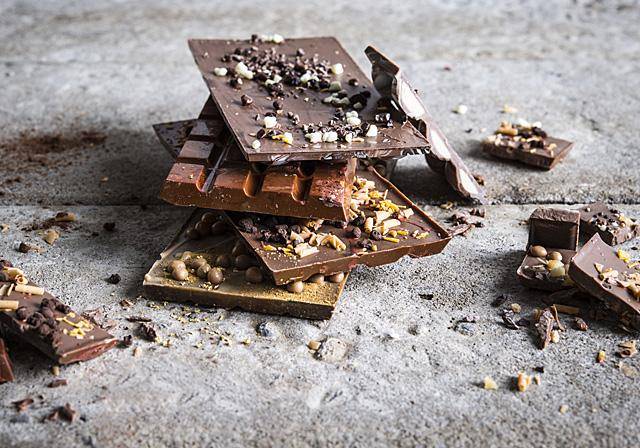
<point>612,225</point>
<point>557,228</point>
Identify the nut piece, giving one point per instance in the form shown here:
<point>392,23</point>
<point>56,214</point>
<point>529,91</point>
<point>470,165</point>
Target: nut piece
<point>553,264</point>
<point>516,308</point>
<point>316,278</point>
<point>296,287</point>
<point>602,357</point>
<point>555,336</point>
<point>538,251</point>
<point>336,278</point>
<point>555,256</point>
<point>180,274</point>
<point>489,383</point>
<point>524,381</point>
<point>313,344</point>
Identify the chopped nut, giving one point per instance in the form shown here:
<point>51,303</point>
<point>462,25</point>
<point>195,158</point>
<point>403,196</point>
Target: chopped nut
<point>50,236</point>
<point>461,109</point>
<point>313,344</point>
<point>220,71</point>
<point>627,349</point>
<point>489,383</point>
<point>524,381</point>
<point>601,357</point>
<point>515,307</point>
<point>555,336</point>
<point>564,409</point>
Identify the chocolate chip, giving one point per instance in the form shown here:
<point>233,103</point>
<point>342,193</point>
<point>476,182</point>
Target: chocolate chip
<point>356,232</point>
<point>277,105</point>
<point>22,313</point>
<point>375,235</point>
<point>246,100</point>
<point>353,82</point>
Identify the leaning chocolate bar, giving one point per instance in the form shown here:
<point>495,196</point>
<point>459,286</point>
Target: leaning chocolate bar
<point>613,226</point>
<point>36,317</point>
<point>6,371</point>
<point>553,239</point>
<point>299,99</point>
<point>383,226</point>
<point>611,276</point>
<point>207,264</point>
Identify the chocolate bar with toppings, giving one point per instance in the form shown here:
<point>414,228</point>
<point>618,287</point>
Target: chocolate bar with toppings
<point>527,143</point>
<point>553,240</point>
<point>214,268</point>
<point>383,226</point>
<point>41,320</point>
<point>610,276</point>
<point>6,371</point>
<point>613,226</point>
<point>299,99</point>
<point>402,100</point>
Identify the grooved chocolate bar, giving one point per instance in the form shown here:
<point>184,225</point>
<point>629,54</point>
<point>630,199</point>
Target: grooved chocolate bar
<point>612,225</point>
<point>300,99</point>
<point>50,326</point>
<point>210,172</point>
<point>6,371</point>
<point>384,226</point>
<point>205,244</point>
<point>553,240</point>
<point>402,100</point>
<point>611,276</point>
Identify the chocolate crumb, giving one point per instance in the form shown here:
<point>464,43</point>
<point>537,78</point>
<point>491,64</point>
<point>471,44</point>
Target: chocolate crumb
<point>126,341</point>
<point>148,332</point>
<point>114,279</point>
<point>109,226</point>
<point>22,405</point>
<point>58,383</point>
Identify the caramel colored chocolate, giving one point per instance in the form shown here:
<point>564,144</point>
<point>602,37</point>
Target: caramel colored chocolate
<point>211,173</point>
<point>6,371</point>
<point>297,98</point>
<point>391,82</point>
<point>316,301</point>
<point>285,268</point>
<point>612,225</point>
<point>53,328</point>
<point>602,272</point>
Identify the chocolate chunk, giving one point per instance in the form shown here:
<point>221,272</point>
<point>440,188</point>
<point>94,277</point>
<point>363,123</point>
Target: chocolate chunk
<point>544,326</point>
<point>148,332</point>
<point>114,279</point>
<point>613,226</point>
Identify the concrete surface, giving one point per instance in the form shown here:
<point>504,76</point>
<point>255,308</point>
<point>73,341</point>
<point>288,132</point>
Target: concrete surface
<point>395,369</point>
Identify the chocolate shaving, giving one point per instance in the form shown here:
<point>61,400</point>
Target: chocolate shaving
<point>22,405</point>
<point>57,383</point>
<point>148,332</point>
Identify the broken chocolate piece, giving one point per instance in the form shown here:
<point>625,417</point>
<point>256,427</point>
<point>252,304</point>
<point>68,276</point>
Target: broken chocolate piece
<point>391,82</point>
<point>613,226</point>
<point>610,276</point>
<point>314,88</point>
<point>527,143</point>
<point>6,370</point>
<point>544,327</point>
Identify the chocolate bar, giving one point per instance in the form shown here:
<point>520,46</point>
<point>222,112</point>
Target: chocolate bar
<point>527,143</point>
<point>402,99</point>
<point>173,135</point>
<point>384,226</point>
<point>553,240</point>
<point>299,99</point>
<point>206,264</point>
<point>610,276</point>
<point>44,322</point>
<point>612,225</point>
<point>6,371</point>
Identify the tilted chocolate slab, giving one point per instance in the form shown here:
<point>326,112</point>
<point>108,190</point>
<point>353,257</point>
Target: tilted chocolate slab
<point>209,172</point>
<point>612,225</point>
<point>6,370</point>
<point>328,260</point>
<point>53,328</point>
<point>600,271</point>
<point>550,231</point>
<point>391,82</point>
<point>174,134</point>
<point>305,103</point>
<point>317,301</point>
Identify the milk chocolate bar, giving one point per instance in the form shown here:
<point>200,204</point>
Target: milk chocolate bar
<point>207,264</point>
<point>299,99</point>
<point>210,172</point>
<point>6,371</point>
<point>553,240</point>
<point>527,143</point>
<point>49,325</point>
<point>402,100</point>
<point>612,225</point>
<point>384,225</point>
<point>610,276</point>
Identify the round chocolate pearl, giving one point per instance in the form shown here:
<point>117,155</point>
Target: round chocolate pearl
<point>224,261</point>
<point>215,276</point>
<point>296,287</point>
<point>195,263</point>
<point>176,264</point>
<point>336,278</point>
<point>317,279</point>
<point>253,275</point>
<point>218,228</point>
<point>208,218</point>
<point>192,234</point>
<point>242,262</point>
<point>203,270</point>
<point>202,228</point>
<point>238,249</point>
<point>180,274</point>
<point>538,251</point>
<point>555,256</point>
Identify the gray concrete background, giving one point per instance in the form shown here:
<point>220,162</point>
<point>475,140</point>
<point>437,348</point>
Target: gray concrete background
<point>399,373</point>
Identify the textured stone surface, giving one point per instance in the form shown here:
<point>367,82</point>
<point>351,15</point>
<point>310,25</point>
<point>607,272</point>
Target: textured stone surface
<point>397,369</point>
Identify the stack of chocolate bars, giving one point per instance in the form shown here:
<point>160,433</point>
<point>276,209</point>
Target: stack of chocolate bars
<point>286,165</point>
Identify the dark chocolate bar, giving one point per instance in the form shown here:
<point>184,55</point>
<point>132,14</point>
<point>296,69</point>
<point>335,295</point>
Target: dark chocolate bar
<point>553,240</point>
<point>612,225</point>
<point>207,240</point>
<point>403,99</point>
<point>50,326</point>
<point>527,143</point>
<point>302,99</point>
<point>384,226</point>
<point>610,276</point>
<point>174,134</point>
<point>211,173</point>
<point>6,371</point>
